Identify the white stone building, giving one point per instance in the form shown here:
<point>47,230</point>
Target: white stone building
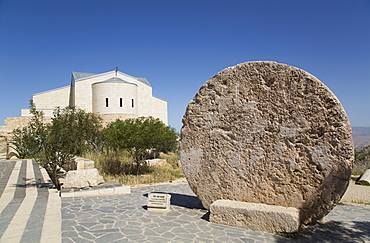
<point>112,95</point>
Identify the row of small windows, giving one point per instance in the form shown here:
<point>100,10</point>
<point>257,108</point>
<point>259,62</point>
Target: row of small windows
<point>120,102</point>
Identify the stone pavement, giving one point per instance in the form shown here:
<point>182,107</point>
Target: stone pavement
<point>123,218</point>
<point>28,213</point>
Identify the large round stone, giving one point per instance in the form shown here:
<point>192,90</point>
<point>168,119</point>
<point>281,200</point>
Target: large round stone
<point>265,132</point>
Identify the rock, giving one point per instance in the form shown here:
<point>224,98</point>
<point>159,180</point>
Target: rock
<point>82,178</point>
<point>365,177</point>
<point>255,216</point>
<point>84,164</point>
<point>264,132</point>
<point>158,163</point>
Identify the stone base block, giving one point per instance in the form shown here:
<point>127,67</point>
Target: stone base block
<point>98,192</point>
<point>365,177</point>
<point>82,178</point>
<point>84,164</point>
<point>122,190</point>
<point>255,216</point>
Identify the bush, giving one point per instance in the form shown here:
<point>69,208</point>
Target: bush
<point>54,145</point>
<point>116,163</point>
<point>140,136</point>
<point>362,160</point>
<point>120,167</point>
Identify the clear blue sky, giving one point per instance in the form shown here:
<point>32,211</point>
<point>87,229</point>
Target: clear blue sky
<point>178,45</point>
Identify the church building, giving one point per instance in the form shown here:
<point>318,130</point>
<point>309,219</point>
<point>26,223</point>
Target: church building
<point>112,95</point>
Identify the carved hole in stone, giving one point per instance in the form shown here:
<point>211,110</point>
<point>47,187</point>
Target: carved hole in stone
<point>210,86</point>
<point>270,80</point>
<point>321,132</point>
<point>329,103</point>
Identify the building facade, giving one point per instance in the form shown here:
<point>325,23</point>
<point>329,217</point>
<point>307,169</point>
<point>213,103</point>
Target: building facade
<point>112,95</point>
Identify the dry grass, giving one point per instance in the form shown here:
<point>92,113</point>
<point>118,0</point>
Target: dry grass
<point>157,175</point>
<point>120,167</point>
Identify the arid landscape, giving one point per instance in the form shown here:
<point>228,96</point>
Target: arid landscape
<point>361,136</point>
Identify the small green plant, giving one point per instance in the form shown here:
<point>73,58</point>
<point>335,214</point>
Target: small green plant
<point>341,203</point>
<point>362,183</point>
<point>360,202</point>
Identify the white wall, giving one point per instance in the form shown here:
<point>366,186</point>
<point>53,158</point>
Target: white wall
<point>114,91</point>
<point>51,99</point>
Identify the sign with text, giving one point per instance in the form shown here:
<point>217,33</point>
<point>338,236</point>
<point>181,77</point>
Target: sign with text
<point>158,201</point>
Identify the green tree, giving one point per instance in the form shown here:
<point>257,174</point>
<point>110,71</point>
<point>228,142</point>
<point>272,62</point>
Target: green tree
<point>140,136</point>
<point>27,141</point>
<point>54,145</point>
<point>76,131</point>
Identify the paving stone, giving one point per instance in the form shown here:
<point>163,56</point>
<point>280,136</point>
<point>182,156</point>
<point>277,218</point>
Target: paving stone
<point>69,234</point>
<point>155,239</point>
<point>136,238</point>
<point>123,240</point>
<point>168,235</point>
<point>86,235</point>
<point>81,240</point>
<point>31,235</point>
<point>128,232</point>
<point>110,237</point>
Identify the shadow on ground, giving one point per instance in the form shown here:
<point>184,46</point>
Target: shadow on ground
<point>39,183</point>
<point>335,231</point>
<point>181,200</point>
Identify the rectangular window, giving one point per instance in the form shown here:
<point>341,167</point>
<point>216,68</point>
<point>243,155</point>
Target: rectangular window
<point>120,102</point>
<point>106,102</point>
<point>132,103</point>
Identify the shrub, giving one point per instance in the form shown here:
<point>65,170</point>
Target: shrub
<point>139,137</point>
<point>54,145</point>
<point>362,160</point>
<point>120,167</point>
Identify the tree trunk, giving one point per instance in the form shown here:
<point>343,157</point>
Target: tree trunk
<point>137,168</point>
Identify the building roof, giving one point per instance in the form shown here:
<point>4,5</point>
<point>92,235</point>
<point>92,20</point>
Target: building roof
<point>80,76</point>
<point>114,80</point>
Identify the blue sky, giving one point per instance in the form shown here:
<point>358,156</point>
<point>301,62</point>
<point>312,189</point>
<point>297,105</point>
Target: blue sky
<point>178,45</point>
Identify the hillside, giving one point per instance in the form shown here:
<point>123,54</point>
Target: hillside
<point>361,136</point>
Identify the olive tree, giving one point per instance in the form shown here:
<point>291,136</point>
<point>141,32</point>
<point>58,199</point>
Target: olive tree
<point>55,144</point>
<point>140,136</point>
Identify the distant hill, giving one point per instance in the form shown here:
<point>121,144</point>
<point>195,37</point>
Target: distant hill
<point>361,136</point>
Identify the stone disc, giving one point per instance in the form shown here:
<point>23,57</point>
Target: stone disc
<point>265,132</point>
